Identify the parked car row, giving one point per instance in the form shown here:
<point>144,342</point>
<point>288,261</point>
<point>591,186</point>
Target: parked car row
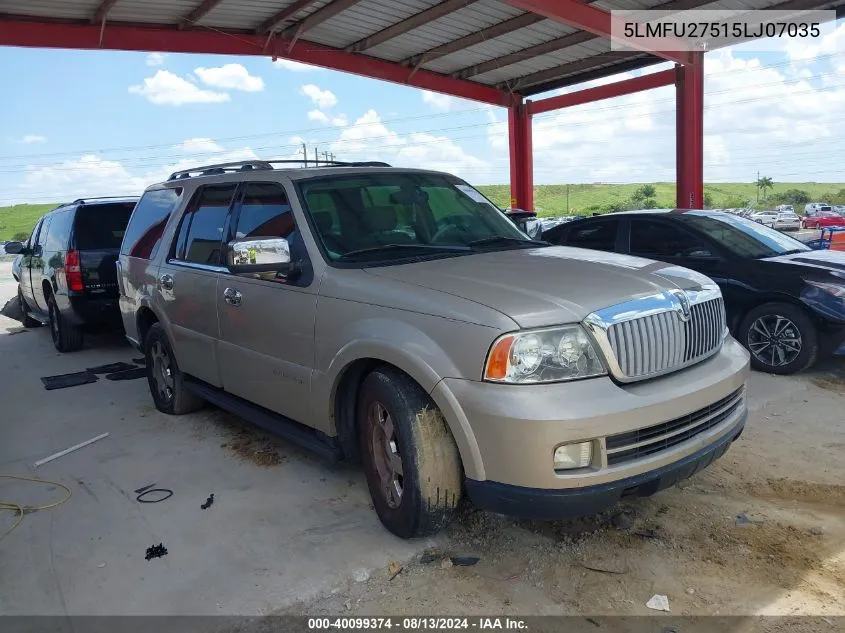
<point>398,318</point>
<point>784,301</point>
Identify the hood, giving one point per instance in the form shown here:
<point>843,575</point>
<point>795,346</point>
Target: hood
<point>546,286</point>
<point>820,260</point>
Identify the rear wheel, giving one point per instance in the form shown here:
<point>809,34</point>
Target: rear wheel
<point>412,464</point>
<point>66,337</point>
<point>167,383</point>
<point>27,320</point>
<point>780,337</point>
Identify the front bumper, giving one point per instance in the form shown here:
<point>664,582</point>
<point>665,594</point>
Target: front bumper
<point>535,503</point>
<point>508,433</point>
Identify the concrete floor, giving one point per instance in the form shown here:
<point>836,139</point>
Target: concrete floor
<point>274,535</point>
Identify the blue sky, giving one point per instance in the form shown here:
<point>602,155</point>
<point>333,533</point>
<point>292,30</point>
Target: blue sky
<point>100,122</point>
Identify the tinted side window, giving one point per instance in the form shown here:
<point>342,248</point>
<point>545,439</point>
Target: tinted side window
<point>147,223</point>
<point>30,242</point>
<point>59,232</point>
<point>600,236</point>
<point>660,240</point>
<point>264,212</point>
<point>42,234</point>
<point>201,231</point>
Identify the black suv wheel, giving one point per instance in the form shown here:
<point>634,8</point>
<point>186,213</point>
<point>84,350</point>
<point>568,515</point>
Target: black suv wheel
<point>66,337</point>
<point>27,320</point>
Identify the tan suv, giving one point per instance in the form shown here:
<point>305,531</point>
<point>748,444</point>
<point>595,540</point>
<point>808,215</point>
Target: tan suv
<point>399,318</point>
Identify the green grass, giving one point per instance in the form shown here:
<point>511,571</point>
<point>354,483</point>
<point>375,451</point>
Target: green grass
<point>549,199</point>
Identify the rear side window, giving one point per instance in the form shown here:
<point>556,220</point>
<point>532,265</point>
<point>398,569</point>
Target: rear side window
<point>59,232</point>
<point>660,240</point>
<point>146,226</point>
<point>264,212</point>
<point>101,226</point>
<point>600,235</point>
<point>201,231</point>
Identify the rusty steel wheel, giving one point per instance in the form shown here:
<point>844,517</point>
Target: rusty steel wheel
<point>386,457</point>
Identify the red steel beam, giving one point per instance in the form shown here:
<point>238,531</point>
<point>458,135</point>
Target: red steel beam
<point>409,24</point>
<point>587,18</point>
<point>521,157</point>
<point>44,34</point>
<point>689,131</point>
<point>200,11</point>
<point>275,21</point>
<point>608,91</point>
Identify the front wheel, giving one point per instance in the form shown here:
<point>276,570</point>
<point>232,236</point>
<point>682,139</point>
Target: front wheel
<point>412,464</point>
<point>780,338</point>
<point>27,320</point>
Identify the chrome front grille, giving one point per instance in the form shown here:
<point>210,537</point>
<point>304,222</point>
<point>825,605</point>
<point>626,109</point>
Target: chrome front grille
<point>625,447</point>
<point>656,335</point>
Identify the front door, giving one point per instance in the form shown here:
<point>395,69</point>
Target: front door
<point>26,266</point>
<point>187,284</point>
<point>266,348</point>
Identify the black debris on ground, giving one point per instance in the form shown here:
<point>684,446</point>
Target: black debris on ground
<point>140,361</point>
<point>63,381</point>
<point>166,492</point>
<point>129,374</point>
<point>144,489</point>
<point>622,521</point>
<point>208,502</point>
<point>110,368</point>
<point>156,551</point>
<point>465,561</point>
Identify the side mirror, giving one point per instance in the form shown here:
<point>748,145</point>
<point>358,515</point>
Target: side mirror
<point>262,255</point>
<point>14,248</point>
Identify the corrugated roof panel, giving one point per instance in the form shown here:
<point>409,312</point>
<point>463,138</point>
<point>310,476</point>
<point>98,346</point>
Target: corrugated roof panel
<point>67,10</point>
<point>544,62</point>
<point>511,43</point>
<point>477,16</point>
<point>151,11</point>
<point>363,19</point>
<point>245,14</point>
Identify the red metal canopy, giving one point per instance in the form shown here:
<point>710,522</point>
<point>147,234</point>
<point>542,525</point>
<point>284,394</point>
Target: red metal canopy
<point>497,52</point>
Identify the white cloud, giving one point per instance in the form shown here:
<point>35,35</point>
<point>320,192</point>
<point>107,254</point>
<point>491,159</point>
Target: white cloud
<point>90,175</point>
<point>166,88</point>
<point>319,116</point>
<point>438,101</point>
<point>155,59</point>
<point>323,99</point>
<point>230,77</point>
<point>297,67</point>
<point>340,120</point>
<point>199,145</point>
<point>32,138</point>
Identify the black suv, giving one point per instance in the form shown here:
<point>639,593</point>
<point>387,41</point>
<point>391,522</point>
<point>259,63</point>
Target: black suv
<point>66,269</point>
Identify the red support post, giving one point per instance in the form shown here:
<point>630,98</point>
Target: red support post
<point>689,134</point>
<point>522,157</point>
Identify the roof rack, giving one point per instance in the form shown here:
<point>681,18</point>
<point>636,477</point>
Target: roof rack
<point>250,165</point>
<point>92,198</point>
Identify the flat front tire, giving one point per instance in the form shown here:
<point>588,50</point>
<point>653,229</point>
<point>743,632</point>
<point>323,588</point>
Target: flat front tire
<point>780,337</point>
<point>166,381</point>
<point>66,337</point>
<point>410,458</point>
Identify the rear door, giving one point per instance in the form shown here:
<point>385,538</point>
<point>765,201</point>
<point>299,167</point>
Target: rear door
<point>97,233</point>
<point>37,264</point>
<point>187,288</point>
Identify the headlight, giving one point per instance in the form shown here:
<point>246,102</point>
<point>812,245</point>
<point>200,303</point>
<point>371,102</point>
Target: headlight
<point>551,355</point>
<point>835,289</point>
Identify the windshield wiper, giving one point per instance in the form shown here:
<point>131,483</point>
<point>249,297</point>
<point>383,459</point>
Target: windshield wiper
<point>430,248</point>
<point>793,251</point>
<point>504,240</point>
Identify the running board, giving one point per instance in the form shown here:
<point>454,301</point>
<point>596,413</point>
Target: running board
<point>315,441</point>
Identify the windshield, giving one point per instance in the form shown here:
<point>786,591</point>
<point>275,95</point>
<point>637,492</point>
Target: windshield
<point>380,217</point>
<point>743,237</point>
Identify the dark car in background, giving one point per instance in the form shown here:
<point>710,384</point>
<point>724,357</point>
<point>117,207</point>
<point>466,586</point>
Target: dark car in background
<point>784,301</point>
<point>66,269</point>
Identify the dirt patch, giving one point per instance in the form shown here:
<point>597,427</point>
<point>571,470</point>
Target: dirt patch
<point>800,491</point>
<point>245,442</point>
<point>832,381</point>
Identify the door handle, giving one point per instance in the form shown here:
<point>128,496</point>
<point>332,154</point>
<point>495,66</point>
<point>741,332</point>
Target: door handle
<point>166,282</point>
<point>232,296</point>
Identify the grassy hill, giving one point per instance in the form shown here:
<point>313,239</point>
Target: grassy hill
<point>549,199</point>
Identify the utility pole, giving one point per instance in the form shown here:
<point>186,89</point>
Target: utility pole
<point>316,157</point>
<point>305,154</point>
